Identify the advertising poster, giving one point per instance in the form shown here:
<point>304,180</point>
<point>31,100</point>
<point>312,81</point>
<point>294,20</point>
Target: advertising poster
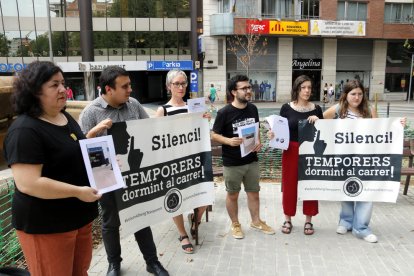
<point>166,166</point>
<point>350,160</point>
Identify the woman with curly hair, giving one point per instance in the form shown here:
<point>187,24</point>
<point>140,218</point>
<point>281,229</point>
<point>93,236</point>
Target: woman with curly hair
<point>53,204</point>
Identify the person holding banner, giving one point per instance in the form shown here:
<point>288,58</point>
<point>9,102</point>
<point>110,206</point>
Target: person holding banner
<point>300,108</point>
<point>176,83</point>
<point>115,105</point>
<point>53,205</point>
<point>237,169</point>
<point>355,215</point>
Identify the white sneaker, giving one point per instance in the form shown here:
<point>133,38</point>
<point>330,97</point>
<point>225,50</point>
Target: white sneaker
<point>371,238</point>
<point>341,230</point>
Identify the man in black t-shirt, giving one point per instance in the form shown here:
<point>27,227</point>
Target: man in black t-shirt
<point>238,169</point>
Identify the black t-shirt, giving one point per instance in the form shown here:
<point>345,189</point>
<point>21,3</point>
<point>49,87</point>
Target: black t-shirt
<point>294,117</point>
<point>33,141</point>
<point>228,119</point>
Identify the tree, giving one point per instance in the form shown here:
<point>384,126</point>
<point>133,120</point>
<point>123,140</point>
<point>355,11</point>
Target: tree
<point>4,45</point>
<point>409,43</point>
<point>249,45</point>
<point>247,48</point>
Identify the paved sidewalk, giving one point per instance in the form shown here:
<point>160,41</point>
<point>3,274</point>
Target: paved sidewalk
<point>324,253</point>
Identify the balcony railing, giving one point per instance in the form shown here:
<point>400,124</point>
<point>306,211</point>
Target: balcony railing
<point>221,24</point>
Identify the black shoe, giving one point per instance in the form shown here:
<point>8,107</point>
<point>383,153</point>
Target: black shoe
<point>156,268</point>
<point>114,269</point>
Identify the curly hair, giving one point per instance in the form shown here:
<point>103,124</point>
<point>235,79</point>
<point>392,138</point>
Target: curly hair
<point>363,108</point>
<point>27,87</point>
<point>294,94</point>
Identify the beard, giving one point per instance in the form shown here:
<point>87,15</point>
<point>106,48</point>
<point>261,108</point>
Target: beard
<point>241,99</point>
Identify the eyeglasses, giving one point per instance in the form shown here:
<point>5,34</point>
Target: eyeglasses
<point>179,84</point>
<point>245,89</point>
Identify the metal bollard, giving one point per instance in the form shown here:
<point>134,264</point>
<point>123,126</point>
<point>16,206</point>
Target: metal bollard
<point>388,109</point>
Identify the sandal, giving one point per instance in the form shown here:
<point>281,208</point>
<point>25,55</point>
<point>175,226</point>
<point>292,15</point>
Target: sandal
<point>308,230</point>
<point>192,225</point>
<point>186,246</point>
<point>287,227</point>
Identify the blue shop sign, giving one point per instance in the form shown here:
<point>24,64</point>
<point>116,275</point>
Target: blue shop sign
<point>194,81</point>
<point>168,65</point>
<point>12,67</point>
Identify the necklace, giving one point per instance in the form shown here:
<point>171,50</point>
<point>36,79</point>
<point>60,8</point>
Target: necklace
<point>62,121</point>
<point>299,108</point>
<point>59,120</point>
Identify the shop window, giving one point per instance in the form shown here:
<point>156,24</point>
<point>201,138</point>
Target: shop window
<point>26,9</point>
<point>170,8</point>
<point>183,8</point>
<point>99,9</point>
<point>144,10</point>
<point>348,10</point>
<point>397,68</point>
<point>184,43</point>
<point>74,44</point>
<point>59,43</point>
<point>398,13</point>
<point>71,8</point>
<point>171,40</point>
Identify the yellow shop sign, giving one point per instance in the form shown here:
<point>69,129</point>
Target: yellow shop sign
<point>288,27</point>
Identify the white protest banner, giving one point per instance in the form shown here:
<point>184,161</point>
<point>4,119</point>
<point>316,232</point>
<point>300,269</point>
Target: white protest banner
<point>350,160</point>
<point>166,166</point>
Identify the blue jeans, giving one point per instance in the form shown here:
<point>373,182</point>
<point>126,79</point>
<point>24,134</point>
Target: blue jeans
<point>355,216</point>
<point>110,233</point>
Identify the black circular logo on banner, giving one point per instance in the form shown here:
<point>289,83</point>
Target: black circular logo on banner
<point>172,200</point>
<point>353,186</point>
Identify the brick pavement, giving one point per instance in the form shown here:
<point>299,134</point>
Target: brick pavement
<point>324,253</point>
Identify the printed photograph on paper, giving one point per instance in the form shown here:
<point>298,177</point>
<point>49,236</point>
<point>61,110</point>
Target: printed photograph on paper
<point>101,165</point>
<point>250,135</point>
<point>196,105</point>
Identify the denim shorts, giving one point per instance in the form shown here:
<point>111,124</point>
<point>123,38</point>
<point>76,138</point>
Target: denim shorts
<point>248,174</point>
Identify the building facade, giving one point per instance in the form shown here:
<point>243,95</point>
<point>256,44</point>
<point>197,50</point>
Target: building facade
<point>129,33</point>
<point>331,41</point>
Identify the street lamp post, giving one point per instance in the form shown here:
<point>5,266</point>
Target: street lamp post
<point>411,77</point>
<point>50,31</point>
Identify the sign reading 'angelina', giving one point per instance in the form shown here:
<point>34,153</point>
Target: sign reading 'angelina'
<point>306,64</point>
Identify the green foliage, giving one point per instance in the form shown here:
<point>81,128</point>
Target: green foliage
<point>4,45</point>
<point>409,131</point>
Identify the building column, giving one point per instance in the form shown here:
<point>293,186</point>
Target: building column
<point>284,69</point>
<point>329,54</point>
<point>379,62</point>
